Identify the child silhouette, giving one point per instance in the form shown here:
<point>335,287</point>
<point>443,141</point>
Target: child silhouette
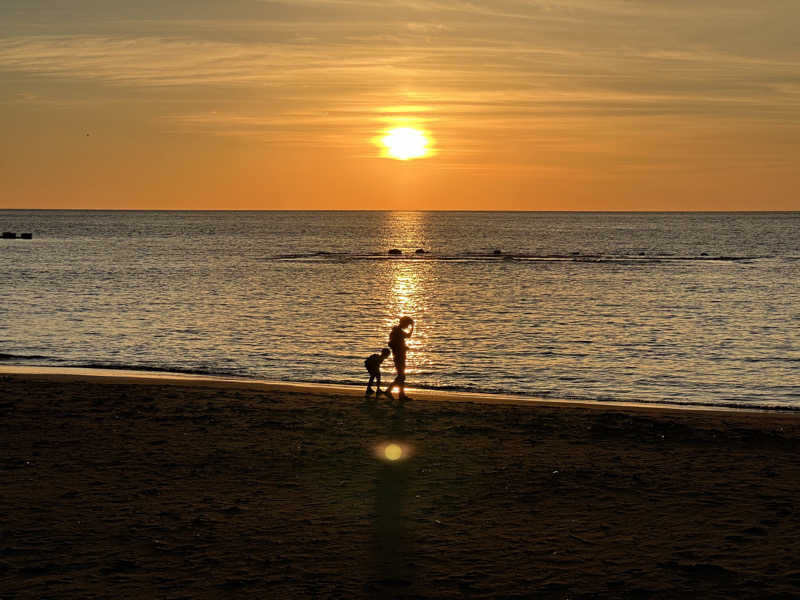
<point>373,365</point>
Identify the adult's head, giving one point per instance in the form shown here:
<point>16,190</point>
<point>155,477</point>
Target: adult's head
<point>406,321</point>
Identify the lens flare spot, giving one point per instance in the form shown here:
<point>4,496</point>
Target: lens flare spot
<point>393,452</point>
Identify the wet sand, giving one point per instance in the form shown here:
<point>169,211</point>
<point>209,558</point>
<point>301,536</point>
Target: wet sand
<point>140,488</point>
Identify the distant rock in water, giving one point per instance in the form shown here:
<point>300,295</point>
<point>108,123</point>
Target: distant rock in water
<point>9,235</point>
<point>420,251</point>
<point>704,254</point>
<point>395,251</point>
<point>497,252</point>
<point>26,236</point>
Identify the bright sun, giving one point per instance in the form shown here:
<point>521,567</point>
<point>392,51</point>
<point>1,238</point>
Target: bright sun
<point>404,143</point>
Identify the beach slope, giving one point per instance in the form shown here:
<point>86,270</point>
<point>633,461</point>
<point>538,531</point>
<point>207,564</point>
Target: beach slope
<point>137,488</point>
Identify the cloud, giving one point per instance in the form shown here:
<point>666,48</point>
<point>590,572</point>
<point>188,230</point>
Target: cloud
<point>485,74</point>
<point>529,72</point>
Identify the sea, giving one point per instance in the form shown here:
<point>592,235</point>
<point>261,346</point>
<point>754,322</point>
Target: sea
<point>677,308</point>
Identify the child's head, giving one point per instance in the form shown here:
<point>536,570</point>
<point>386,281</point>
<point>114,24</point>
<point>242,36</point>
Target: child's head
<point>406,321</point>
<point>385,352</point>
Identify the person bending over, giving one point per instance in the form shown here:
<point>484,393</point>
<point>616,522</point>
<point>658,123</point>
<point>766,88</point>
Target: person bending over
<point>373,364</point>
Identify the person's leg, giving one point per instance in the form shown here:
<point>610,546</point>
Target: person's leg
<point>377,383</point>
<point>401,384</point>
<point>369,385</point>
<point>401,375</point>
<point>399,366</point>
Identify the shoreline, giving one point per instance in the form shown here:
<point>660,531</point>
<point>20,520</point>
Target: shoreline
<point>131,376</point>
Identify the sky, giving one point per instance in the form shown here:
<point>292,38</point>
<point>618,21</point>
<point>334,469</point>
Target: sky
<point>526,104</point>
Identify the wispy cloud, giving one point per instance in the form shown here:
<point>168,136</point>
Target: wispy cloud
<point>484,71</point>
<point>483,74</point>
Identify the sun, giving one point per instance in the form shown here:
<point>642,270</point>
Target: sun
<point>404,143</point>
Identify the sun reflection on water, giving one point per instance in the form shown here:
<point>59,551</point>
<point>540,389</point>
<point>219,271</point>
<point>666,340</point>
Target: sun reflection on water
<point>407,298</point>
<point>406,290</point>
<point>410,281</point>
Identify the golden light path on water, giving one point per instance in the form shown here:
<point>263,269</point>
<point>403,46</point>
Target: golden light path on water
<point>411,279</point>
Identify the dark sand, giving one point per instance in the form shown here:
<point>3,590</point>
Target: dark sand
<point>120,488</point>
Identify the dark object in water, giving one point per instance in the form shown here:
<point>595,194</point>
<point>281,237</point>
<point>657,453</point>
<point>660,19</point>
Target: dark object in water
<point>704,254</point>
<point>9,235</point>
<point>420,251</point>
<point>497,252</point>
<point>395,251</point>
<point>26,236</point>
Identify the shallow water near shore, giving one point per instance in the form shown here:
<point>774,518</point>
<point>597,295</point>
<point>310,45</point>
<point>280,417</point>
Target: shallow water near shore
<point>693,308</point>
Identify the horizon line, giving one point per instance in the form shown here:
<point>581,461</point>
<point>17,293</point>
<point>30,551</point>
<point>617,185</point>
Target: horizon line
<point>411,210</point>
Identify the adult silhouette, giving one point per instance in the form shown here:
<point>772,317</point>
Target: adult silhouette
<point>397,343</point>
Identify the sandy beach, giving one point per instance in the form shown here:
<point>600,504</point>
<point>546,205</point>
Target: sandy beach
<point>139,488</point>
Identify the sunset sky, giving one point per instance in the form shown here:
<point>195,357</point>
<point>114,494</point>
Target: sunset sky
<point>527,104</point>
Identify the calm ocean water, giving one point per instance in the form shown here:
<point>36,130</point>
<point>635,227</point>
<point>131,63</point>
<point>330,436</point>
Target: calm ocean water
<point>645,307</point>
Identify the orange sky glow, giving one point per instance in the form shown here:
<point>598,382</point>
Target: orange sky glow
<point>523,104</point>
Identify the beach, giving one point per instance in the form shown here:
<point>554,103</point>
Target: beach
<point>129,487</point>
